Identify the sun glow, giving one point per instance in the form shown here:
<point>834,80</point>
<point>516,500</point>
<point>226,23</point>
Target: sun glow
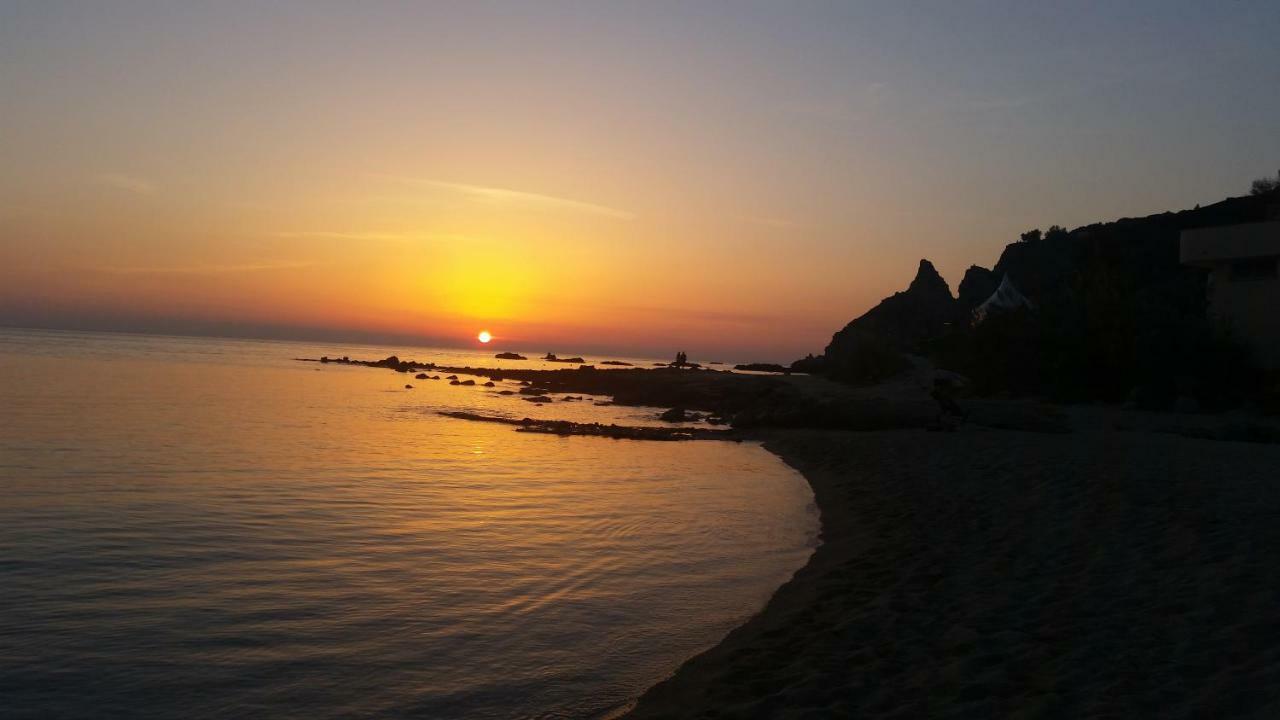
<point>484,336</point>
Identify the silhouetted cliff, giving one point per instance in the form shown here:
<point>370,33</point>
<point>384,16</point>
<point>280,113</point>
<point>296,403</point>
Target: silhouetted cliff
<point>870,347</point>
<point>1117,316</point>
<point>976,287</point>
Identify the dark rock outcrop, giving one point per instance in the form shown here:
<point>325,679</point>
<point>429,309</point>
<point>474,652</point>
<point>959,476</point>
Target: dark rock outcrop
<point>510,356</point>
<point>976,287</point>
<point>860,356</point>
<point>809,364</point>
<point>763,367</point>
<point>871,347</point>
<point>924,310</point>
<point>674,415</point>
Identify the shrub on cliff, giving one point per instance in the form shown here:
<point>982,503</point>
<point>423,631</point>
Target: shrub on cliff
<point>1265,185</point>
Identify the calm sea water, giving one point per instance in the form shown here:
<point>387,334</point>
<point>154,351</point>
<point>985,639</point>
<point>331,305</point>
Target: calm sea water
<point>197,528</point>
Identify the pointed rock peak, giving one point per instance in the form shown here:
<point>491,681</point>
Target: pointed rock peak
<point>928,279</point>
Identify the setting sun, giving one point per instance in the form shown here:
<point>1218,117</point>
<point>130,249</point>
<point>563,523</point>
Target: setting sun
<point>484,336</point>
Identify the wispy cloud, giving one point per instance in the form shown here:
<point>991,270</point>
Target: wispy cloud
<point>520,197</point>
<point>338,235</point>
<point>844,104</point>
<point>128,183</point>
<point>210,269</point>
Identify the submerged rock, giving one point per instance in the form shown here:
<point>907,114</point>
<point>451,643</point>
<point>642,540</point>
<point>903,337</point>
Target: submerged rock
<point>679,415</point>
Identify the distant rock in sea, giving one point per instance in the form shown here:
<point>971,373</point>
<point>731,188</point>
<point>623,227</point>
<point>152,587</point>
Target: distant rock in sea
<point>763,367</point>
<point>510,356</point>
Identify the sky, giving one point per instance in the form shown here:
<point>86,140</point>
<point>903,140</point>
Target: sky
<point>737,180</point>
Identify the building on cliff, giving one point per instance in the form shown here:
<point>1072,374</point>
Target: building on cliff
<point>1244,281</point>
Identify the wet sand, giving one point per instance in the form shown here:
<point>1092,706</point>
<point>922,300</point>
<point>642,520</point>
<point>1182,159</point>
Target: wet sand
<point>990,573</point>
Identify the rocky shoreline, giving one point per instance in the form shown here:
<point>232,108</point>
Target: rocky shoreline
<point>1039,562</point>
<point>617,432</point>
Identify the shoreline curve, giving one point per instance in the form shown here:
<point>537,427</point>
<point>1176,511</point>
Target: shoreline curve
<point>992,573</point>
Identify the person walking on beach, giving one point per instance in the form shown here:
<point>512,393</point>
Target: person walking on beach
<point>950,414</point>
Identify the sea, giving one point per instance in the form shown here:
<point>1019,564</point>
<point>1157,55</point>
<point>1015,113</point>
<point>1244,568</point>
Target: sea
<point>210,528</point>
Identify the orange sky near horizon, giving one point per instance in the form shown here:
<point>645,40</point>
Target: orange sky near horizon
<point>737,183</point>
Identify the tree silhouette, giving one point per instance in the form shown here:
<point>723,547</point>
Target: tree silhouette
<point>1265,185</point>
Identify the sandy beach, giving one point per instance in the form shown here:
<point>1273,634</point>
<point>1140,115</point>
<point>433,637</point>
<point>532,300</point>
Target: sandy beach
<point>991,573</point>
